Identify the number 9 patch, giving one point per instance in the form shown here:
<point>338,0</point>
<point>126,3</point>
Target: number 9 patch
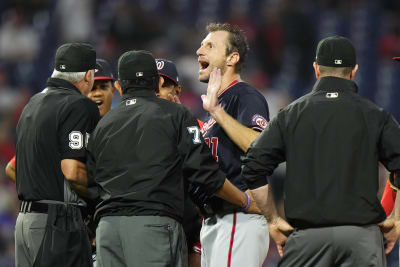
<point>75,140</point>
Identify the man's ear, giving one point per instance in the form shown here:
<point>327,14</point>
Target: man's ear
<point>178,89</point>
<point>316,70</point>
<point>160,82</point>
<point>353,72</point>
<point>232,59</point>
<point>118,87</point>
<point>88,76</point>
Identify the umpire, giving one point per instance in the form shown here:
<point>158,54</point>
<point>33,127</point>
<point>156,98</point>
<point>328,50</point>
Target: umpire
<point>139,155</point>
<point>332,140</point>
<point>51,138</point>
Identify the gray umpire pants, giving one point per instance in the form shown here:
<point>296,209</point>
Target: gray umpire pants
<point>140,241</point>
<point>338,246</point>
<point>29,233</point>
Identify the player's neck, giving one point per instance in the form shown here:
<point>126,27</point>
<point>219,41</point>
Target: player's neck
<point>227,79</point>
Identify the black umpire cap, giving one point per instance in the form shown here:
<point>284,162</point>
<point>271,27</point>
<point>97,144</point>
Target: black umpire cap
<point>136,64</point>
<point>336,51</point>
<point>75,57</point>
<point>103,70</point>
<point>168,69</point>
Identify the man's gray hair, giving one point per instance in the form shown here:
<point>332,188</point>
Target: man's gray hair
<point>72,77</point>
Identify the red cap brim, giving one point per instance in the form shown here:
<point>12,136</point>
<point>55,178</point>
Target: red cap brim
<point>104,78</point>
<point>396,58</point>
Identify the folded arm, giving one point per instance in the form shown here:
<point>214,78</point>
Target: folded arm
<point>76,174</point>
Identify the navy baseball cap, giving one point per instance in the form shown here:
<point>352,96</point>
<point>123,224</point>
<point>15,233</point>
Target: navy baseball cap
<point>167,69</point>
<point>103,70</point>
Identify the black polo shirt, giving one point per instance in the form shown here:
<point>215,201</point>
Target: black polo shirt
<point>53,126</point>
<point>332,140</point>
<point>142,151</point>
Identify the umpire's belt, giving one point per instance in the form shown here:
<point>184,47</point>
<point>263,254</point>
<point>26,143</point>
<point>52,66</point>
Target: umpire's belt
<point>30,206</point>
<point>40,207</point>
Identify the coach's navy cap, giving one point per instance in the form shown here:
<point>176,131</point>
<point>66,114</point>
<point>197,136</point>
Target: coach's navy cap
<point>75,57</point>
<point>336,51</point>
<point>167,69</point>
<point>136,64</point>
<point>103,70</point>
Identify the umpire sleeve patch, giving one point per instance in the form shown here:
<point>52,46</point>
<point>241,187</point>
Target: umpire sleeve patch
<point>76,140</point>
<point>195,130</point>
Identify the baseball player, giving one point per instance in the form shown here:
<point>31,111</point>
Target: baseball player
<point>237,113</point>
<point>103,88</point>
<point>169,89</point>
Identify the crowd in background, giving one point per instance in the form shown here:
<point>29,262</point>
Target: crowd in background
<point>282,34</point>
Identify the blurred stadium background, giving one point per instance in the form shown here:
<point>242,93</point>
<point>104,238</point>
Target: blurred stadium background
<point>283,35</point>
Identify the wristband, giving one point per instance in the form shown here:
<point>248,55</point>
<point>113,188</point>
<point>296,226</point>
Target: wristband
<point>248,202</point>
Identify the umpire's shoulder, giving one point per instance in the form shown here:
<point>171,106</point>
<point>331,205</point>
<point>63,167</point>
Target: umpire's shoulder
<point>303,100</point>
<point>171,107</point>
<point>370,107</point>
<point>83,103</point>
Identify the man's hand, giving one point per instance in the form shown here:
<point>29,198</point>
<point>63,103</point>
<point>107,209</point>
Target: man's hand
<point>174,98</point>
<point>391,231</point>
<point>279,230</point>
<point>10,172</point>
<point>210,101</point>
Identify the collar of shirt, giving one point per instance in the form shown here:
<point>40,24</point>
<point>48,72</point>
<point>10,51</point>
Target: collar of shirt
<point>330,83</point>
<point>227,88</point>
<point>138,92</point>
<point>60,83</point>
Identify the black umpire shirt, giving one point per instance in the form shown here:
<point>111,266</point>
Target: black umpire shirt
<point>53,126</point>
<point>141,152</point>
<point>331,140</point>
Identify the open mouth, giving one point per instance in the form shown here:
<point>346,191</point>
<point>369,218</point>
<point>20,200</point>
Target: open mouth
<point>98,103</point>
<point>203,65</point>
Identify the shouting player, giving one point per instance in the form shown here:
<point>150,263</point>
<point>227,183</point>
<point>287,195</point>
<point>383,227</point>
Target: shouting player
<point>170,89</point>
<point>237,113</point>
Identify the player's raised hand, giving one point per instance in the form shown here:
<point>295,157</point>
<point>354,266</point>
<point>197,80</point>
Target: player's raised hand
<point>210,100</point>
<point>391,231</point>
<point>279,230</point>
